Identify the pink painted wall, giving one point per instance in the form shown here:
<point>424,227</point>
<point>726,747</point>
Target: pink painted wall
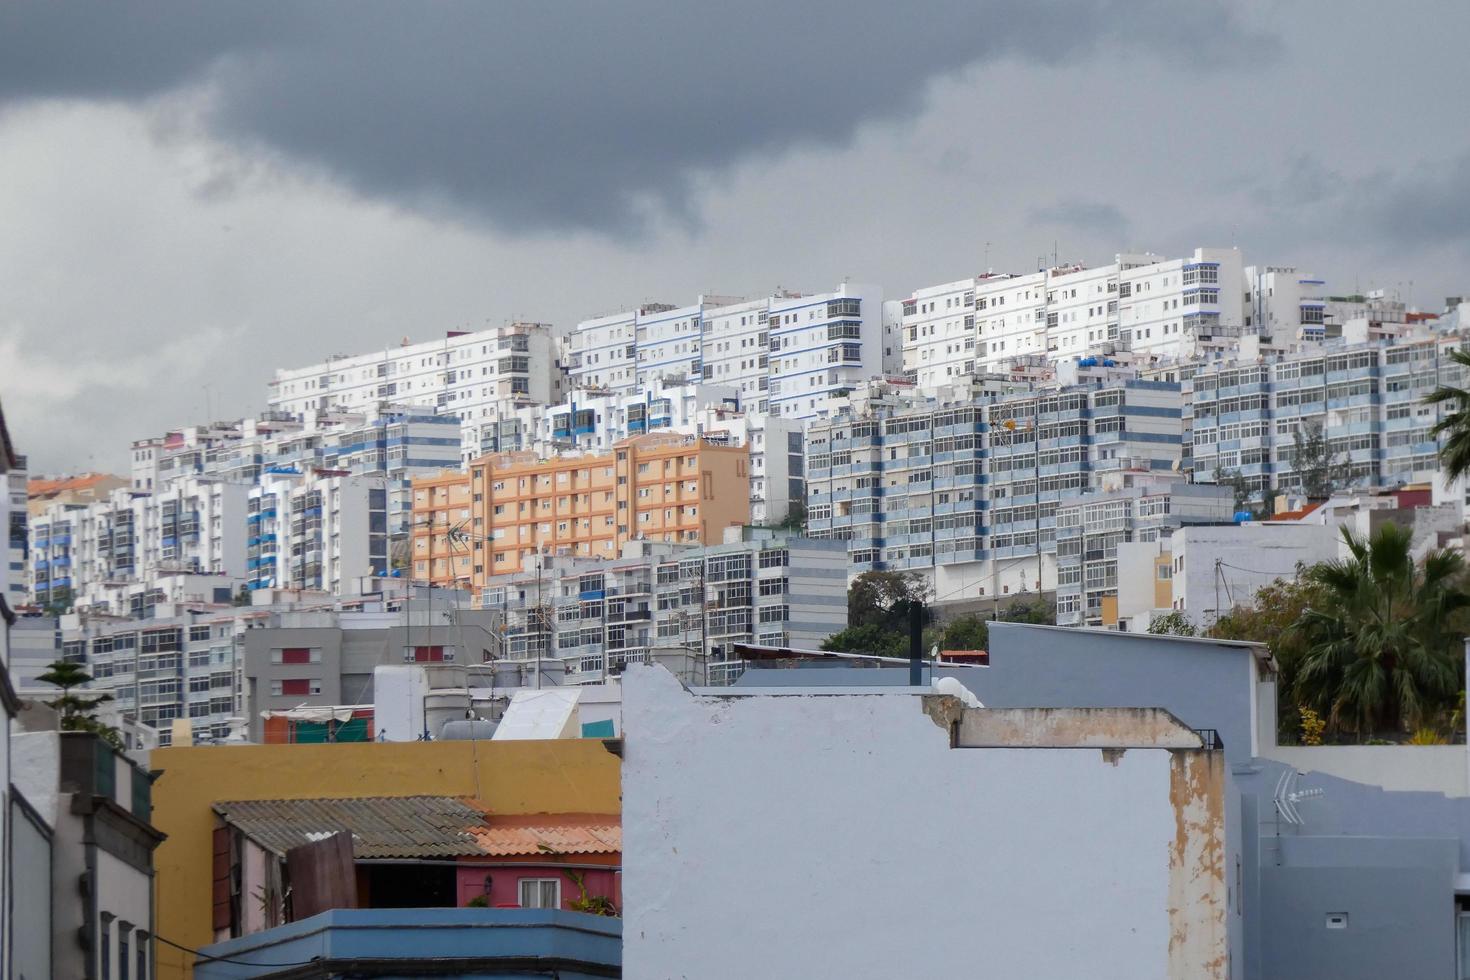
<point>505,881</point>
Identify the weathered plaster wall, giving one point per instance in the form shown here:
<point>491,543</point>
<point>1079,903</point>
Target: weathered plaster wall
<point>842,836</point>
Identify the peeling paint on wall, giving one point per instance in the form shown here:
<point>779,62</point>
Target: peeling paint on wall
<point>1198,890</point>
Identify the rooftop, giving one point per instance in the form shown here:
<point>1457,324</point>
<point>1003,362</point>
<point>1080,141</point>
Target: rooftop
<point>421,827</point>
<point>415,942</point>
<point>41,487</point>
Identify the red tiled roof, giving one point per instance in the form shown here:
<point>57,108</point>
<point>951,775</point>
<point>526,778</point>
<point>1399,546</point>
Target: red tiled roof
<point>50,488</point>
<point>1295,515</point>
<point>551,833</point>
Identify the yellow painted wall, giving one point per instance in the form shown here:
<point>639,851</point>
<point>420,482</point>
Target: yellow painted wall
<point>1163,587</point>
<point>553,776</point>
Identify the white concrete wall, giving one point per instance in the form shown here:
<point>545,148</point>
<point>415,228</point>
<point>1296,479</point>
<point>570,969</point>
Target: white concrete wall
<point>841,836</point>
<point>126,893</point>
<point>1251,556</point>
<point>28,874</point>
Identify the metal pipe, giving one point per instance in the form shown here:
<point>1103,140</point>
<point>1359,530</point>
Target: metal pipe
<point>916,643</point>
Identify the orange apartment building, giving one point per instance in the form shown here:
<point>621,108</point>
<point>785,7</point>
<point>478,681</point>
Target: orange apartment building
<point>510,507</point>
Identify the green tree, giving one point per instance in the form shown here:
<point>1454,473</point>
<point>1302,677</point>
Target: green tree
<point>869,638</point>
<point>1267,619</point>
<point>78,711</point>
<point>795,518</point>
<point>1382,647</point>
<point>1454,428</point>
<point>1172,624</point>
<point>878,614</point>
<point>1319,472</point>
<point>1237,483</point>
<point>883,598</point>
<point>1037,611</point>
<point>967,632</point>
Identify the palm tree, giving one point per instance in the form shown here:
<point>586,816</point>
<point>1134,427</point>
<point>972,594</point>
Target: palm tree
<point>1454,453</point>
<point>78,712</point>
<point>1380,648</point>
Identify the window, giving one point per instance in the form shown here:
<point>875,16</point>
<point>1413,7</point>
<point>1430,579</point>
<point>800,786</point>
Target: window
<point>104,948</point>
<point>122,954</point>
<point>292,686</point>
<point>429,654</point>
<point>296,655</point>
<point>540,893</point>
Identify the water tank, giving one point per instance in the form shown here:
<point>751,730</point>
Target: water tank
<point>465,730</point>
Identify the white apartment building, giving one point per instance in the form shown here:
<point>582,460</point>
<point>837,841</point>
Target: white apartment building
<point>196,524</point>
<point>1284,304</point>
<point>621,351</point>
<point>938,330</point>
<point>1204,571</point>
<point>1180,307</point>
<point>822,347</point>
<point>476,376</point>
<point>599,615</point>
<point>13,520</point>
<point>325,531</point>
<point>1141,307</point>
<point>735,350</point>
<point>787,354</point>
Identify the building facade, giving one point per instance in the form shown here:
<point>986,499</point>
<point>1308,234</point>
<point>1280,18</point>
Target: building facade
<point>1245,419</point>
<point>192,525</point>
<point>325,530</point>
<point>964,486</point>
<point>786,355</point>
<point>768,588</point>
<point>1141,306</point>
<point>1131,507</point>
<point>475,376</point>
<point>98,803</point>
<point>510,508</point>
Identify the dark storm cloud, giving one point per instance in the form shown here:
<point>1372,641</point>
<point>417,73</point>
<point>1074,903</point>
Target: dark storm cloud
<point>542,116</point>
<point>1425,205</point>
<point>1095,217</point>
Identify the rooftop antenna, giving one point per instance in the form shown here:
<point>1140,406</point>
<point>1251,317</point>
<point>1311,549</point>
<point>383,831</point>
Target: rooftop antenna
<point>1287,796</point>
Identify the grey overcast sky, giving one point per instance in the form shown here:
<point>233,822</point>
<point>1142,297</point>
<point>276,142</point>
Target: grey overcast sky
<point>194,194</point>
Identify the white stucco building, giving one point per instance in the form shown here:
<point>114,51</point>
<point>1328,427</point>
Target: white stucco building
<point>97,803</point>
<point>1204,571</point>
<point>933,839</point>
<point>787,354</point>
<point>477,376</point>
<point>1142,307</point>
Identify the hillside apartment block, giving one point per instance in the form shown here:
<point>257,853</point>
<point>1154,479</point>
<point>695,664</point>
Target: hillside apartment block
<point>506,510</point>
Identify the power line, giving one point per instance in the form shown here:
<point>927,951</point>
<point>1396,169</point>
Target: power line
<point>206,958</point>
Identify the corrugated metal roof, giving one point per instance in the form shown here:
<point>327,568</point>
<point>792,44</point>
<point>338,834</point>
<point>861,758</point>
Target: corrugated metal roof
<point>420,827</point>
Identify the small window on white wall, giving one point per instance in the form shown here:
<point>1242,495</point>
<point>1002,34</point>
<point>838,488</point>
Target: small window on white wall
<point>540,893</point>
